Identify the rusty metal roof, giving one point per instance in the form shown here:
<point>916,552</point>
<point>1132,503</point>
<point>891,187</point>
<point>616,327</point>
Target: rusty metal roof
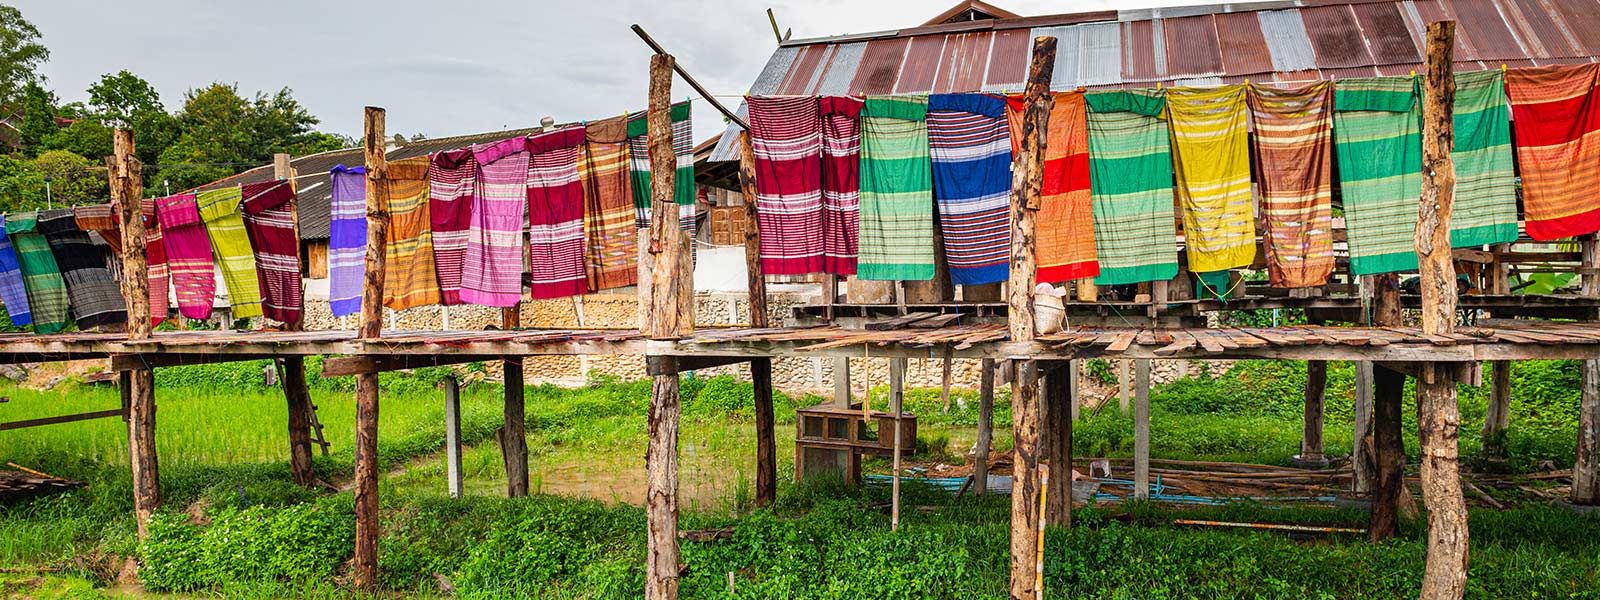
<point>1280,42</point>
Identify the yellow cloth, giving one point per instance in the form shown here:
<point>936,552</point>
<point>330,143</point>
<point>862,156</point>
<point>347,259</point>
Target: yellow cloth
<point>219,209</point>
<point>1211,155</point>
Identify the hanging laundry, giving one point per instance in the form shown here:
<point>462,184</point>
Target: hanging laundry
<point>491,273</point>
<point>219,208</point>
<point>13,291</point>
<point>1211,155</point>
<point>970,148</point>
<point>268,212</point>
<point>1556,114</point>
<point>611,237</point>
<point>1065,223</point>
<point>841,183</point>
<point>96,298</point>
<point>555,215</point>
<point>896,191</point>
<point>41,277</point>
<point>786,139</point>
<point>1486,183</point>
<point>1130,165</point>
<point>451,179</point>
<point>98,218</point>
<point>155,255</point>
<point>1294,168</point>
<point>347,239</point>
<point>639,161</point>
<point>188,255</point>
<point>1377,132</point>
<point>408,267</point>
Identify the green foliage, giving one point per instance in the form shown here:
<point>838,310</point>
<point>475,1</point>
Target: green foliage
<point>546,547</point>
<point>87,137</point>
<point>1101,371</point>
<point>21,54</point>
<point>228,132</point>
<point>300,542</point>
<point>128,101</point>
<point>72,178</point>
<point>38,119</point>
<point>21,184</point>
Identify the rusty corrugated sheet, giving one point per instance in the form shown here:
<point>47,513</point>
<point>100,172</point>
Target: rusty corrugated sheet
<point>921,64</point>
<point>1139,52</point>
<point>842,69</point>
<point>1287,40</point>
<point>1583,19</point>
<point>1244,47</point>
<point>1539,31</point>
<point>1336,37</point>
<point>963,62</point>
<point>880,67</point>
<point>805,69</point>
<point>1387,37</point>
<point>1422,12</point>
<point>1008,60</point>
<point>1192,47</point>
<point>773,74</point>
<point>1491,38</point>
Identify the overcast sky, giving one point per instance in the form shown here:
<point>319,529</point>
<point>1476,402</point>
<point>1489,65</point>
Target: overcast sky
<point>455,67</point>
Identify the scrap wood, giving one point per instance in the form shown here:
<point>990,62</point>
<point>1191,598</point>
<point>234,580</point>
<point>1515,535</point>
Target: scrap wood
<point>898,322</point>
<point>1481,494</point>
<point>706,535</point>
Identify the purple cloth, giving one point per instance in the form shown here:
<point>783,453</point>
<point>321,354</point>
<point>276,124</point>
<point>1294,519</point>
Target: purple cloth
<point>347,240</point>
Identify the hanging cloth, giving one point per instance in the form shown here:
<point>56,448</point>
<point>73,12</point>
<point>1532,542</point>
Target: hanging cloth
<point>639,161</point>
<point>557,264</point>
<point>1377,132</point>
<point>786,139</point>
<point>1556,115</point>
<point>183,236</point>
<point>1065,223</point>
<point>98,218</point>
<point>1294,168</point>
<point>347,240</point>
<point>267,209</point>
<point>408,270</point>
<point>451,180</point>
<point>1130,165</point>
<point>41,277</point>
<point>96,298</point>
<point>970,148</point>
<point>841,183</point>
<point>13,291</point>
<point>608,214</point>
<point>1211,155</point>
<point>1486,183</point>
<point>491,273</point>
<point>155,255</point>
<point>219,208</point>
<point>896,191</point>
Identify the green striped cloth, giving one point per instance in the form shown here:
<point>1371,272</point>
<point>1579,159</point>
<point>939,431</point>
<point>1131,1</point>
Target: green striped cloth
<point>1130,175</point>
<point>896,235</point>
<point>47,290</point>
<point>219,209</point>
<point>639,166</point>
<point>1486,186</point>
<point>1377,132</point>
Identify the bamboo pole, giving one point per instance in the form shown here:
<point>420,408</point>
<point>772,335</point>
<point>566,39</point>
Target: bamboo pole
<point>365,565</point>
<point>760,368</point>
<point>127,189</point>
<point>665,321</point>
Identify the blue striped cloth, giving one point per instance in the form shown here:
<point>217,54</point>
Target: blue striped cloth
<point>970,144</point>
<point>347,240</point>
<point>12,291</point>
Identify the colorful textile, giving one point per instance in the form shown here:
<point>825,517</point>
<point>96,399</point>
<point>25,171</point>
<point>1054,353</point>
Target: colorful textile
<point>1065,243</point>
<point>13,291</point>
<point>98,218</point>
<point>896,191</point>
<point>608,216</point>
<point>639,162</point>
<point>219,209</point>
<point>1486,183</point>
<point>557,265</point>
<point>408,271</point>
<point>41,277</point>
<point>1294,169</point>
<point>841,183</point>
<point>451,180</point>
<point>1130,165</point>
<point>491,273</point>
<point>1377,132</point>
<point>969,144</point>
<point>155,254</point>
<point>1211,155</point>
<point>268,212</point>
<point>96,298</point>
<point>183,236</point>
<point>786,139</point>
<point>1556,114</point>
<point>347,240</point>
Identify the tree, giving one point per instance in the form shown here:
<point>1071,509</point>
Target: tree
<point>21,185</point>
<point>128,101</point>
<point>20,54</point>
<point>38,119</point>
<point>88,138</point>
<point>74,180</point>
<point>229,133</point>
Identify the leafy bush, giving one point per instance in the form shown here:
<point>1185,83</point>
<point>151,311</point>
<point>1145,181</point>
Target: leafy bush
<point>301,542</point>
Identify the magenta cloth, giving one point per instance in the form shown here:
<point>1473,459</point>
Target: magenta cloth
<point>556,244</point>
<point>841,183</point>
<point>155,256</point>
<point>451,178</point>
<point>188,255</point>
<point>491,273</point>
<point>268,212</point>
<point>786,138</point>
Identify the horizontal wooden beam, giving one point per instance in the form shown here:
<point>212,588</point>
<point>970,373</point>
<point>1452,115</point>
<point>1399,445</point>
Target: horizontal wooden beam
<point>17,358</point>
<point>356,365</point>
<point>101,414</point>
<point>131,362</point>
<point>672,365</point>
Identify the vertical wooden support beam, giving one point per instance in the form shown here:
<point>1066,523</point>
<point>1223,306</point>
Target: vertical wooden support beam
<point>1074,387</point>
<point>1498,416</point>
<point>1586,463</point>
<point>980,458</point>
<point>1361,446</point>
<point>452,435</point>
<point>761,368</point>
<point>127,189</point>
<point>1388,392</point>
<point>1311,450</point>
<point>841,382</point>
<point>365,565</point>
<point>1124,387</point>
<point>897,396</point>
<point>1060,394</point>
<point>513,434</point>
<point>1027,175</point>
<point>1141,428</point>
<point>293,371</point>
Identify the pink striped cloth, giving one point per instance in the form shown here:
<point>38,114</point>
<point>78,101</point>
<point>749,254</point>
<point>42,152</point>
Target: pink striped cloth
<point>268,212</point>
<point>183,235</point>
<point>555,215</point>
<point>451,179</point>
<point>155,255</point>
<point>786,137</point>
<point>491,273</point>
<point>841,183</point>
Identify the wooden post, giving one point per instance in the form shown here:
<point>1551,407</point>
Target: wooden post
<point>1361,450</point>
<point>1141,428</point>
<point>513,435</point>
<point>1586,462</point>
<point>1311,453</point>
<point>293,372</point>
<point>980,458</point>
<point>1498,416</point>
<point>1060,393</point>
<point>127,189</point>
<point>1388,394</point>
<point>452,435</point>
<point>897,395</point>
<point>365,566</point>
<point>841,382</point>
<point>1124,387</point>
<point>1027,175</point>
<point>761,368</point>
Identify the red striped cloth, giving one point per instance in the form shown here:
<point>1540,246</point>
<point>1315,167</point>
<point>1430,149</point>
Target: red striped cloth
<point>1556,116</point>
<point>555,215</point>
<point>1065,248</point>
<point>188,252</point>
<point>841,183</point>
<point>786,137</point>
<point>155,254</point>
<point>451,178</point>
<point>268,212</point>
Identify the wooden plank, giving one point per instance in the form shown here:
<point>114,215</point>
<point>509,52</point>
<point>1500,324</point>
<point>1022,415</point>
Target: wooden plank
<point>671,365</point>
<point>357,365</point>
<point>42,421</point>
<point>898,322</point>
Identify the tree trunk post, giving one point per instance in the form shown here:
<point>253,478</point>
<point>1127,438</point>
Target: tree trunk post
<point>980,458</point>
<point>1498,416</point>
<point>1060,393</point>
<point>1586,463</point>
<point>897,395</point>
<point>1141,429</point>
<point>293,377</point>
<point>127,189</point>
<point>365,566</point>
<point>760,368</point>
<point>513,434</point>
<point>1311,450</point>
<point>1361,440</point>
<point>452,436</point>
<point>1388,392</point>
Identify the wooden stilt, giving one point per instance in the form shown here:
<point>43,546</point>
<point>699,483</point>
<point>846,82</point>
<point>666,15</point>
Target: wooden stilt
<point>1124,387</point>
<point>1141,429</point>
<point>980,459</point>
<point>897,395</point>
<point>1388,391</point>
<point>452,436</point>
<point>1361,447</point>
<point>293,370</point>
<point>1059,395</point>
<point>1498,416</point>
<point>127,189</point>
<point>1311,453</point>
<point>841,382</point>
<point>1586,463</point>
<point>760,368</point>
<point>365,565</point>
<point>513,435</point>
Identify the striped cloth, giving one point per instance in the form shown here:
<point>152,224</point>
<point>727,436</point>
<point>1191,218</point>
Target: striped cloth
<point>1294,169</point>
<point>96,298</point>
<point>347,240</point>
<point>451,180</point>
<point>219,209</point>
<point>1556,115</point>
<point>896,191</point>
<point>557,263</point>
<point>639,164</point>
<point>786,139</point>
<point>1065,246</point>
<point>491,273</point>
<point>268,213</point>
<point>1486,184</point>
<point>41,277</point>
<point>1211,155</point>
<point>1130,165</point>
<point>155,256</point>
<point>98,218</point>
<point>841,183</point>
<point>408,270</point>
<point>608,217</point>
<point>970,146</point>
<point>183,236</point>
<point>1377,133</point>
<point>13,291</point>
